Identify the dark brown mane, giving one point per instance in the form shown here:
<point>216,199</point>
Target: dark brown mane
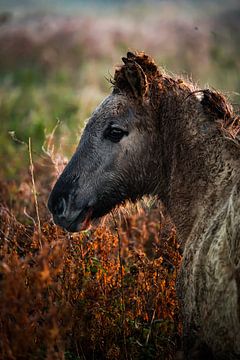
<point>140,72</point>
<point>146,63</point>
<point>217,107</point>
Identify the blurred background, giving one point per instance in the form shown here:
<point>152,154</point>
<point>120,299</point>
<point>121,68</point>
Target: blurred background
<point>107,292</point>
<point>55,57</point>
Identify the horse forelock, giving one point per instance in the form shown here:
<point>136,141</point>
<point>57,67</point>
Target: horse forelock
<point>143,62</point>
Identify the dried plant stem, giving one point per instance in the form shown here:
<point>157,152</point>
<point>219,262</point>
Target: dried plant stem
<point>122,288</point>
<point>150,328</point>
<point>34,190</point>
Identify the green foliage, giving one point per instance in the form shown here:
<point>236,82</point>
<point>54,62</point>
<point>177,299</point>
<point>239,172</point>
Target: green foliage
<point>61,77</point>
<point>32,102</point>
<point>70,298</point>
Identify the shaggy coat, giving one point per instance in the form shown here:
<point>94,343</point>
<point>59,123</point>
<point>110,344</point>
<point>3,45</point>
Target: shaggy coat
<point>183,145</point>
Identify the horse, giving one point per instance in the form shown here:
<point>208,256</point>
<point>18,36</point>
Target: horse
<point>159,135</point>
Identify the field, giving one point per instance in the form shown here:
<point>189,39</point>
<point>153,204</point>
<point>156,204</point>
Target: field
<point>107,292</point>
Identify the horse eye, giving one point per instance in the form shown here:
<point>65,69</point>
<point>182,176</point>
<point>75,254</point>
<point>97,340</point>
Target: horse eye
<point>114,134</point>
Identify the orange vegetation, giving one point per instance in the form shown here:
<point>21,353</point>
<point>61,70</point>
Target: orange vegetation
<point>106,293</point>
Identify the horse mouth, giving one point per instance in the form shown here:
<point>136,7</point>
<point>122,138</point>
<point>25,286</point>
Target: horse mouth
<point>81,222</point>
<point>85,216</point>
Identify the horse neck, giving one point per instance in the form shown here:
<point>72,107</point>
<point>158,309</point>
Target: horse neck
<point>198,166</point>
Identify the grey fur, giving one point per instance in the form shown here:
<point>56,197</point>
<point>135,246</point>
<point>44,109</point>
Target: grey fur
<point>174,150</point>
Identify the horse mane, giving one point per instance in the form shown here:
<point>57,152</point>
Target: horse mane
<point>146,63</point>
<point>218,108</point>
<point>215,105</point>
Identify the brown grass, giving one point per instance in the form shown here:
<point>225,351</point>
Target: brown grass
<point>106,293</point>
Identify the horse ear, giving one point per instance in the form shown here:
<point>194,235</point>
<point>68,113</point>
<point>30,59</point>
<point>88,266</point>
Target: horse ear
<point>135,77</point>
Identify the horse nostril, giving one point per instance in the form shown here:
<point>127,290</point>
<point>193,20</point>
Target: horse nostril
<point>60,207</point>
